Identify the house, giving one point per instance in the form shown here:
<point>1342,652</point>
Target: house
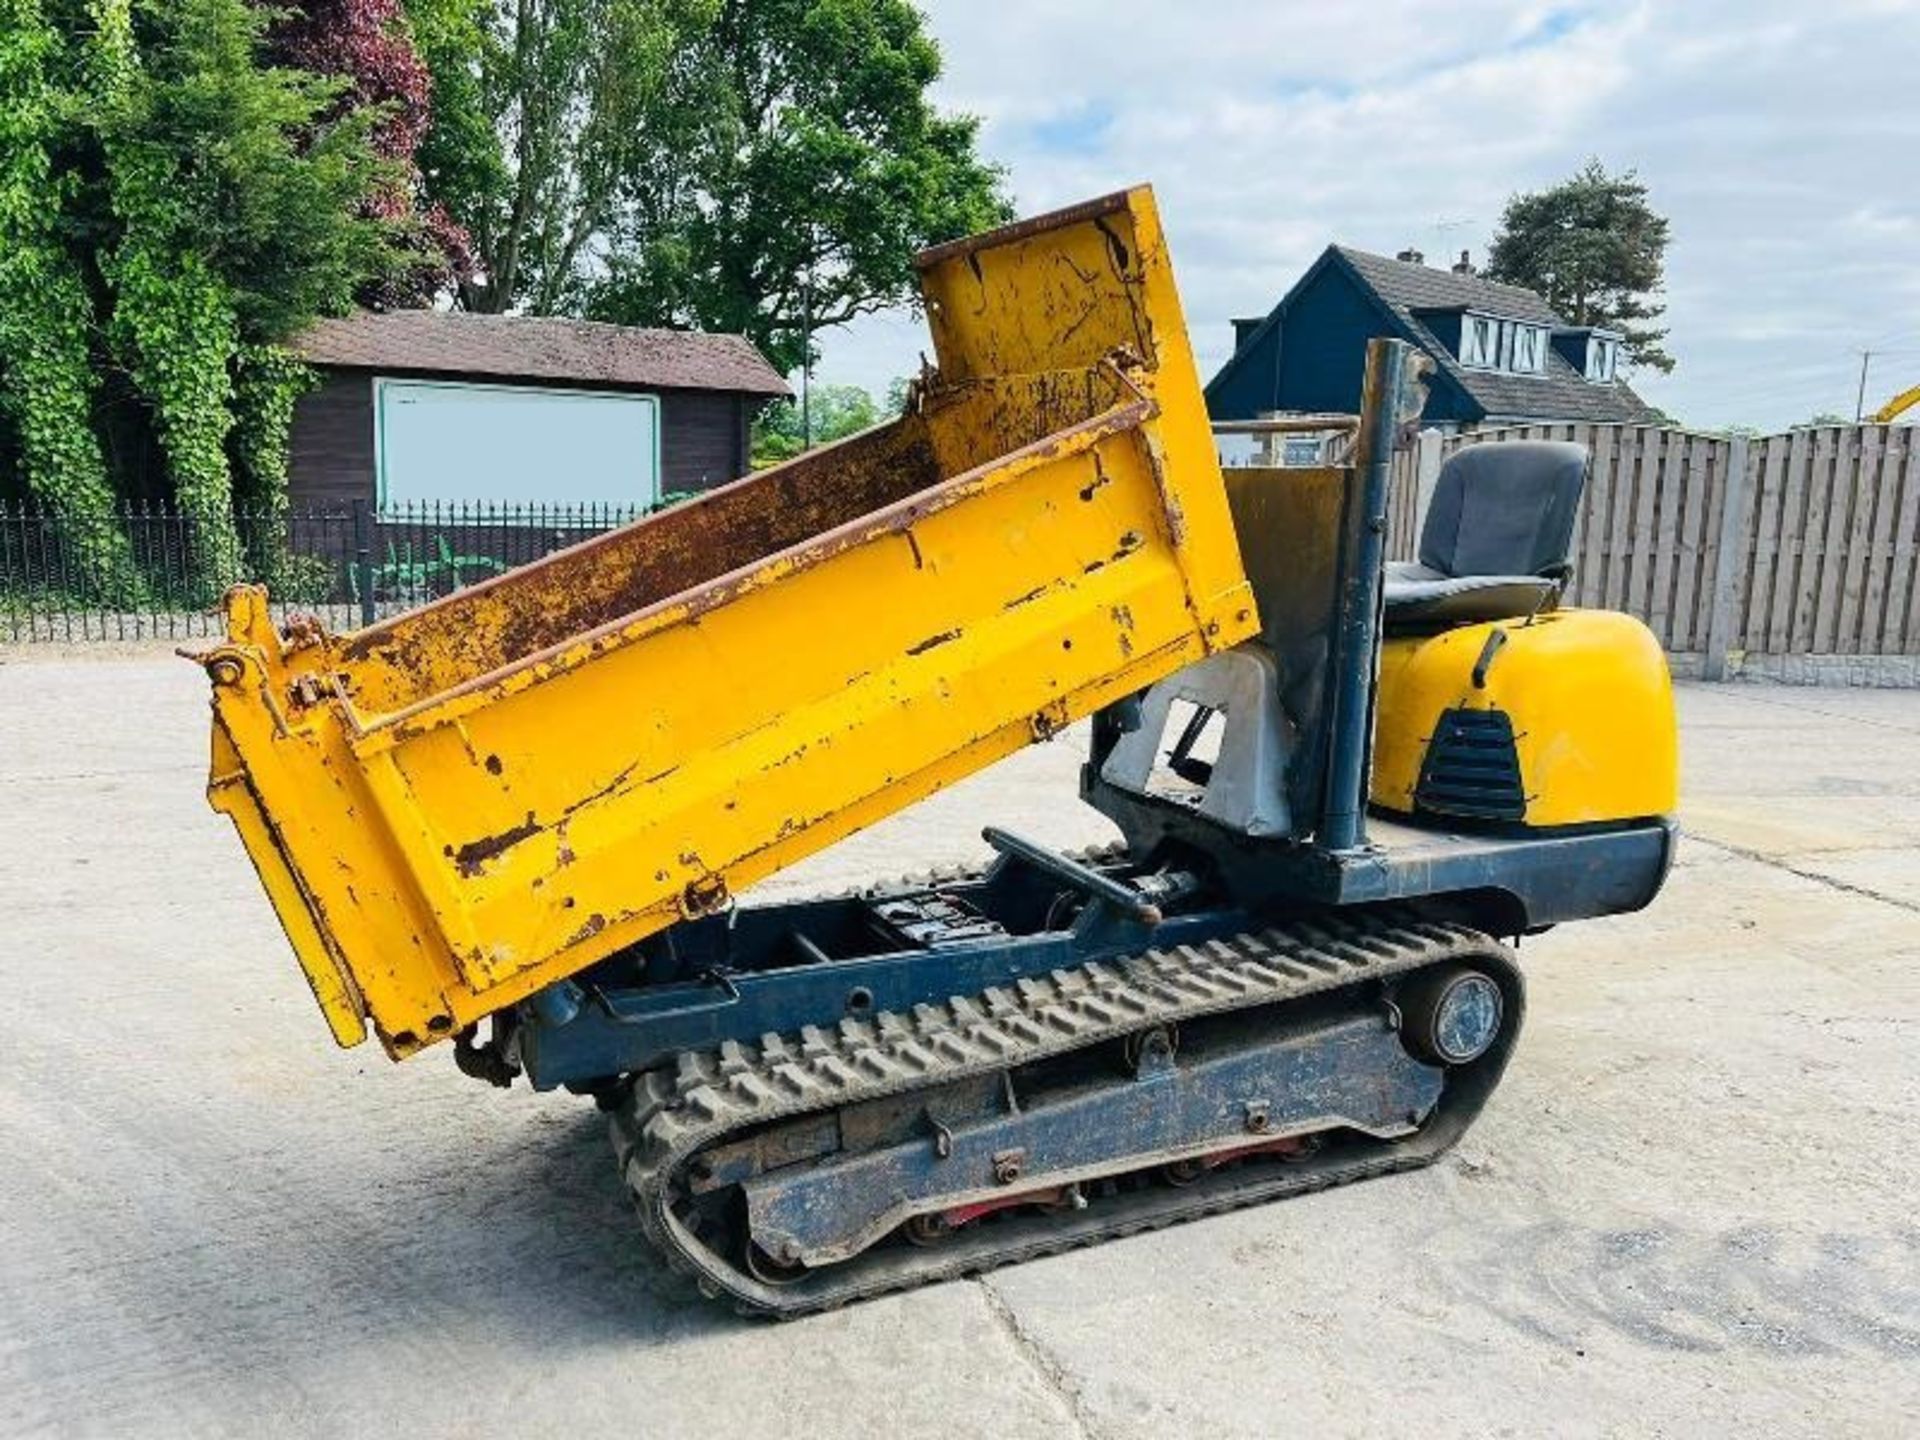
<point>420,406</point>
<point>1501,354</point>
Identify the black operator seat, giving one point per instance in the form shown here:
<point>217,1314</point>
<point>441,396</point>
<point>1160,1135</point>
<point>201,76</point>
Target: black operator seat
<point>1497,536</point>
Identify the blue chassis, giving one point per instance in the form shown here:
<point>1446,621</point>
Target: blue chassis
<point>776,968</point>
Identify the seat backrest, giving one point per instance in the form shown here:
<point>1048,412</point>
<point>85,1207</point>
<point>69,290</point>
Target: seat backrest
<point>1504,508</point>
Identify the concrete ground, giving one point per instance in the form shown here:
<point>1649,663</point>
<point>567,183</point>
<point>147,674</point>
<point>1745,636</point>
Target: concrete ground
<point>1690,1210</point>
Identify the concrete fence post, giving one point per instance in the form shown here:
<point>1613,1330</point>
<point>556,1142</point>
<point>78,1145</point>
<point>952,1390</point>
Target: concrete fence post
<point>1729,555</point>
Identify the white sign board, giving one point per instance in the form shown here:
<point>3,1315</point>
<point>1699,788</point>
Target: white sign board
<point>438,441</point>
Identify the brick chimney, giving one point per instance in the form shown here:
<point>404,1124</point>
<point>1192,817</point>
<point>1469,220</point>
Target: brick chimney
<point>1464,265</point>
<point>1411,256</point>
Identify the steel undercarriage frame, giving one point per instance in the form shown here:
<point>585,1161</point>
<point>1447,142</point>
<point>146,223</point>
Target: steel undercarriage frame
<point>1242,1085</point>
<point>774,968</point>
<point>1304,1054</point>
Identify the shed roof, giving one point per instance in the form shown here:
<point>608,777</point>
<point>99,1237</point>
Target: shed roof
<point>540,348</point>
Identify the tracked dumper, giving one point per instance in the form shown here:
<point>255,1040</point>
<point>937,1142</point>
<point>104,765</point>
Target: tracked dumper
<point>517,819</point>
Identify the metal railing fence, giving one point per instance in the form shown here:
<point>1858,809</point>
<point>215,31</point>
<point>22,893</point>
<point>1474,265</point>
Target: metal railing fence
<point>350,565</point>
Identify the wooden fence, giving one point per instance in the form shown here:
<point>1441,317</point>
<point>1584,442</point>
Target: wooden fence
<point>1734,550</point>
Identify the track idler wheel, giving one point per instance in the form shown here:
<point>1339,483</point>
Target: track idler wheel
<point>928,1230</point>
<point>1151,1049</point>
<point>769,1271</point>
<point>1450,1015</point>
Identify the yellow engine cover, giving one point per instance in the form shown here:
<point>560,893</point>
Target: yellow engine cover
<point>1588,697</point>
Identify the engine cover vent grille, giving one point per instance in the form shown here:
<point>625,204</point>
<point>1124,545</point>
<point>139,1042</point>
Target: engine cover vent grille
<point>1471,768</point>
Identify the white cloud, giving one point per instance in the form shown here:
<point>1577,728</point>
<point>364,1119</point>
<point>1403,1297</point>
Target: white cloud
<point>1778,137</point>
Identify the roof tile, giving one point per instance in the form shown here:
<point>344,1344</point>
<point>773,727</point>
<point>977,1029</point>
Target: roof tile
<point>1560,394</point>
<point>540,348</point>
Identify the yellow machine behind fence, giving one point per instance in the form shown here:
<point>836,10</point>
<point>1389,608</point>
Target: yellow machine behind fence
<point>520,817</point>
<point>461,805</point>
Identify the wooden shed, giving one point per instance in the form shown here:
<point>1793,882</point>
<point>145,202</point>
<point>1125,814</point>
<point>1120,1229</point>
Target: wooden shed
<point>424,407</point>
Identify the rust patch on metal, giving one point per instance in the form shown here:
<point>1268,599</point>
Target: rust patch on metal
<point>472,857</point>
<point>705,896</point>
<point>933,642</point>
<point>1022,229</point>
<point>1169,500</point>
<point>612,787</point>
<point>1049,720</point>
<point>1100,479</point>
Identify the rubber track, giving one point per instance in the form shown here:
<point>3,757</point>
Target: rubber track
<point>672,1114</point>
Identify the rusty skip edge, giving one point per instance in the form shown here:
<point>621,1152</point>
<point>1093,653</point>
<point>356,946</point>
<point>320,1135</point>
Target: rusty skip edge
<point>1077,214</point>
<point>451,704</point>
<point>302,917</point>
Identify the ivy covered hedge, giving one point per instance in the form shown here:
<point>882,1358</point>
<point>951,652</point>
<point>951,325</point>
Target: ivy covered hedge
<point>173,208</point>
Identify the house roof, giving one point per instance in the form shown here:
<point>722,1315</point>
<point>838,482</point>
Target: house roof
<point>540,348</point>
<point>1415,285</point>
<point>1405,290</point>
<point>1561,394</point>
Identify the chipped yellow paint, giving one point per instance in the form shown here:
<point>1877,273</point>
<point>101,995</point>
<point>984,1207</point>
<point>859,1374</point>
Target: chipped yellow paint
<point>1589,696</point>
<point>461,805</point>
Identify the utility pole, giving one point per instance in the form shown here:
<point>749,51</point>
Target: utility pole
<point>1860,400</point>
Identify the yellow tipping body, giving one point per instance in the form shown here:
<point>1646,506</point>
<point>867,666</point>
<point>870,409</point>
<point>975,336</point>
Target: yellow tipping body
<point>458,806</point>
<point>1589,698</point>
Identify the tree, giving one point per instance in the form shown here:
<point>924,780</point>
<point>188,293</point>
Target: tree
<point>47,385</point>
<point>805,166</point>
<point>541,112</point>
<point>696,162</point>
<point>833,413</point>
<point>365,45</point>
<point>1596,250</point>
<point>171,209</point>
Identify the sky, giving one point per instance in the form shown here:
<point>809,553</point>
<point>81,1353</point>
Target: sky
<point>1781,139</point>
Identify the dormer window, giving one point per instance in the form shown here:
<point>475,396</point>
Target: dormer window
<point>1479,342</point>
<point>1487,343</point>
<point>1529,349</point>
<point>1603,359</point>
<point>1594,355</point>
